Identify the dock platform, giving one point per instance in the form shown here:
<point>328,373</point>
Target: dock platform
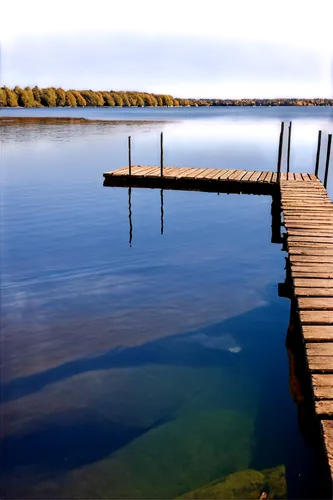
<point>308,220</point>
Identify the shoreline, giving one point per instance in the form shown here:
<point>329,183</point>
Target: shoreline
<point>56,120</point>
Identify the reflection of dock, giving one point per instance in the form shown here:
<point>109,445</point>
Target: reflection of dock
<point>308,220</point>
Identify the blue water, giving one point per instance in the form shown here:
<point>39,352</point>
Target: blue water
<point>135,363</point>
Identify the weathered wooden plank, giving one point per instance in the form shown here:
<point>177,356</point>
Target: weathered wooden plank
<point>319,349</point>
<point>310,232</point>
<point>269,177</point>
<point>190,173</point>
<point>296,273</point>
<point>308,244</point>
<point>317,333</point>
<point>313,266</point>
<point>313,283</point>
<point>237,175</point>
<point>312,239</point>
<point>274,177</point>
<point>316,317</point>
<point>322,380</point>
<point>202,174</point>
<point>247,176</point>
<point>324,407</point>
<point>218,174</point>
<point>255,176</point>
<point>313,292</point>
<point>306,177</point>
<point>310,251</point>
<point>323,392</point>
<point>311,259</point>
<point>225,175</point>
<point>315,303</point>
<point>323,364</point>
<point>240,175</point>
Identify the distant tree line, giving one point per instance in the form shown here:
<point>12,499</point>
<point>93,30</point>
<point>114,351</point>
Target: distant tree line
<point>56,97</point>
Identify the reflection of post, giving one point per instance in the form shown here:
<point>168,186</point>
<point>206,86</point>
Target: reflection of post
<point>299,384</point>
<point>130,215</point>
<point>162,212</point>
<point>276,219</point>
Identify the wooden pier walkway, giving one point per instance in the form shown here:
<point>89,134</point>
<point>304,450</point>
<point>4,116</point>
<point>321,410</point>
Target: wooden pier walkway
<point>308,219</point>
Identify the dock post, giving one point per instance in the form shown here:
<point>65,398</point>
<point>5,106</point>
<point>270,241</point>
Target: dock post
<point>280,152</point>
<point>318,153</point>
<point>162,153</point>
<point>328,154</point>
<point>289,139</point>
<point>129,156</point>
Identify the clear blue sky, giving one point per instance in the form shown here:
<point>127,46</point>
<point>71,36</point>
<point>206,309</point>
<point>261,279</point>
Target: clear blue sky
<point>248,48</point>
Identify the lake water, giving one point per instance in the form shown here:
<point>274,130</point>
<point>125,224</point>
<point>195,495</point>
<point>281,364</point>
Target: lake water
<point>137,364</point>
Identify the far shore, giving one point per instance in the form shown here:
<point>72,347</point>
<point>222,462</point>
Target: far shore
<point>55,120</point>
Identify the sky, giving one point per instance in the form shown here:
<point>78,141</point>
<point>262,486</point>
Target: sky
<point>212,49</point>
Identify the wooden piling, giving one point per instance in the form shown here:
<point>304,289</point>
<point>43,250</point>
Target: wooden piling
<point>289,140</point>
<point>328,154</point>
<point>129,156</point>
<point>280,151</point>
<point>162,154</point>
<point>318,153</point>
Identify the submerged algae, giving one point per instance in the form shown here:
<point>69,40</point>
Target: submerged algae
<point>245,484</point>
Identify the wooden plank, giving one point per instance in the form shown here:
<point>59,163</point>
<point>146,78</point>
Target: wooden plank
<point>247,176</point>
<point>211,174</point>
<point>306,178</point>
<point>239,175</point>
<point>311,259</point>
<point>319,349</point>
<point>226,174</point>
<point>313,283</point>
<point>322,380</point>
<point>283,176</point>
<point>317,333</point>
<point>309,232</point>
<point>308,244</point>
<point>313,177</point>
<point>323,364</point>
<point>261,177</point>
<point>142,172</point>
<point>324,407</point>
<point>323,392</point>
<point>255,176</point>
<point>310,251</point>
<point>313,266</point>
<point>313,292</point>
<point>202,174</point>
<point>311,274</point>
<point>312,239</point>
<point>315,303</point>
<point>316,317</point>
<point>218,173</point>
<point>307,226</point>
<point>269,177</point>
<point>191,175</point>
<point>231,172</point>
<point>274,177</point>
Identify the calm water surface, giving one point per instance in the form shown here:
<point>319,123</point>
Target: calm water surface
<point>137,364</point>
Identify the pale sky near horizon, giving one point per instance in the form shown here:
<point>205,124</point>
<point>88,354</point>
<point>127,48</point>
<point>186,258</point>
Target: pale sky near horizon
<point>225,49</point>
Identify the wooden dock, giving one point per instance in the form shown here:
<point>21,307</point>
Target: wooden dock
<point>308,219</point>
